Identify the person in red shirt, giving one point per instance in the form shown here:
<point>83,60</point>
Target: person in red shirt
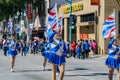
<point>73,48</point>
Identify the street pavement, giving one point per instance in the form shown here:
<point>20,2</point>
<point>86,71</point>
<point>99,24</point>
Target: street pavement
<point>30,68</point>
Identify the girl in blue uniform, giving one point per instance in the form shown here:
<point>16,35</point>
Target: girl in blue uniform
<point>57,54</point>
<point>113,59</point>
<point>46,52</point>
<point>12,52</point>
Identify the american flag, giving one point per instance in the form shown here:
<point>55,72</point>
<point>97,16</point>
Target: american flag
<point>109,29</point>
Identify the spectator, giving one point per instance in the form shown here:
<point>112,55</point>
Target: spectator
<point>73,48</point>
<point>83,50</point>
<point>5,46</point>
<point>68,46</point>
<point>78,51</point>
<point>24,35</point>
<point>93,47</point>
<point>87,49</point>
<point>34,47</point>
<point>23,45</point>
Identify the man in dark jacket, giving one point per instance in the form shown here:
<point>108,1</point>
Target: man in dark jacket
<point>24,36</point>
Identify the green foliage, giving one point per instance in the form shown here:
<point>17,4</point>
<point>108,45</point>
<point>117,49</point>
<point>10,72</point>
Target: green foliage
<point>10,7</point>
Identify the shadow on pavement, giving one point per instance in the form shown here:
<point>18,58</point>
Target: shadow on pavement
<point>93,74</point>
<point>76,69</point>
<point>21,71</point>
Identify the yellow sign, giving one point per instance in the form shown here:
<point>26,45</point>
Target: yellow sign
<point>118,2</point>
<point>74,8</point>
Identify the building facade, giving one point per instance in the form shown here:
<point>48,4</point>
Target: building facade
<point>91,14</point>
<point>59,2</point>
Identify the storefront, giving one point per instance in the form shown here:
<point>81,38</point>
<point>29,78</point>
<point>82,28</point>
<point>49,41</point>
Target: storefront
<point>85,27</point>
<point>91,15</point>
<point>38,33</point>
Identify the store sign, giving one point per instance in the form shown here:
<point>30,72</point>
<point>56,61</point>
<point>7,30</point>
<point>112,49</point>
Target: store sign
<point>74,8</point>
<point>118,1</point>
<point>84,36</point>
<point>95,2</point>
<point>29,10</point>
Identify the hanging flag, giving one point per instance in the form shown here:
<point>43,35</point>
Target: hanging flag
<point>10,27</point>
<point>109,29</point>
<point>53,18</point>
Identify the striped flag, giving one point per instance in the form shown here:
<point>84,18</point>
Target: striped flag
<point>109,29</point>
<point>60,24</point>
<point>52,21</point>
<point>48,30</point>
<point>10,27</point>
<point>53,18</point>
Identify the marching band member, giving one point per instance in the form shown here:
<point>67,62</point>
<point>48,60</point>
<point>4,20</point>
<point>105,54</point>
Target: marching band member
<point>57,54</point>
<point>12,52</point>
<point>113,59</point>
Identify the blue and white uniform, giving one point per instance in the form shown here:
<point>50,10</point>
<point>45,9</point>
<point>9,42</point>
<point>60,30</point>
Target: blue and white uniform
<point>112,51</point>
<point>46,51</point>
<point>12,47</point>
<point>57,46</point>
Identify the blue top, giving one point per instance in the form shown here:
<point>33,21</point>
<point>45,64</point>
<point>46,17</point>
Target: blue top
<point>57,46</point>
<point>87,46</point>
<point>46,47</point>
<point>17,45</point>
<point>83,46</point>
<point>112,50</point>
<point>78,50</point>
<point>12,44</point>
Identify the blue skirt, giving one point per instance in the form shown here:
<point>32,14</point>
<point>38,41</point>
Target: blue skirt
<point>12,52</point>
<point>112,62</point>
<point>55,59</point>
<point>45,54</point>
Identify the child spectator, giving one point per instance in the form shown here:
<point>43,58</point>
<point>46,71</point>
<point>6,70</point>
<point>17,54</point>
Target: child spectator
<point>78,51</point>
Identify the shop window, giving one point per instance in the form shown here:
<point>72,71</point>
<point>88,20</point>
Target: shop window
<point>87,29</point>
<point>87,17</point>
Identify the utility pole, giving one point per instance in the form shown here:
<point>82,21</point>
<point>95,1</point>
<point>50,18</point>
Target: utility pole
<point>70,27</point>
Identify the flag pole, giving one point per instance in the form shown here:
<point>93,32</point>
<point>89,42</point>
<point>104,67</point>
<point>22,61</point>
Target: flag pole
<point>114,11</point>
<point>56,13</point>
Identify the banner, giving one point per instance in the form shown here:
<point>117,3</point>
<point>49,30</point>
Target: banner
<point>84,36</point>
<point>29,10</point>
<point>95,2</point>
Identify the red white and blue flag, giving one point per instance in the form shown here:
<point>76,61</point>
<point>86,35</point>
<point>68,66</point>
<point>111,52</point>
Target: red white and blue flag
<point>53,18</point>
<point>109,29</point>
<point>60,24</point>
<point>10,27</point>
<point>52,21</point>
